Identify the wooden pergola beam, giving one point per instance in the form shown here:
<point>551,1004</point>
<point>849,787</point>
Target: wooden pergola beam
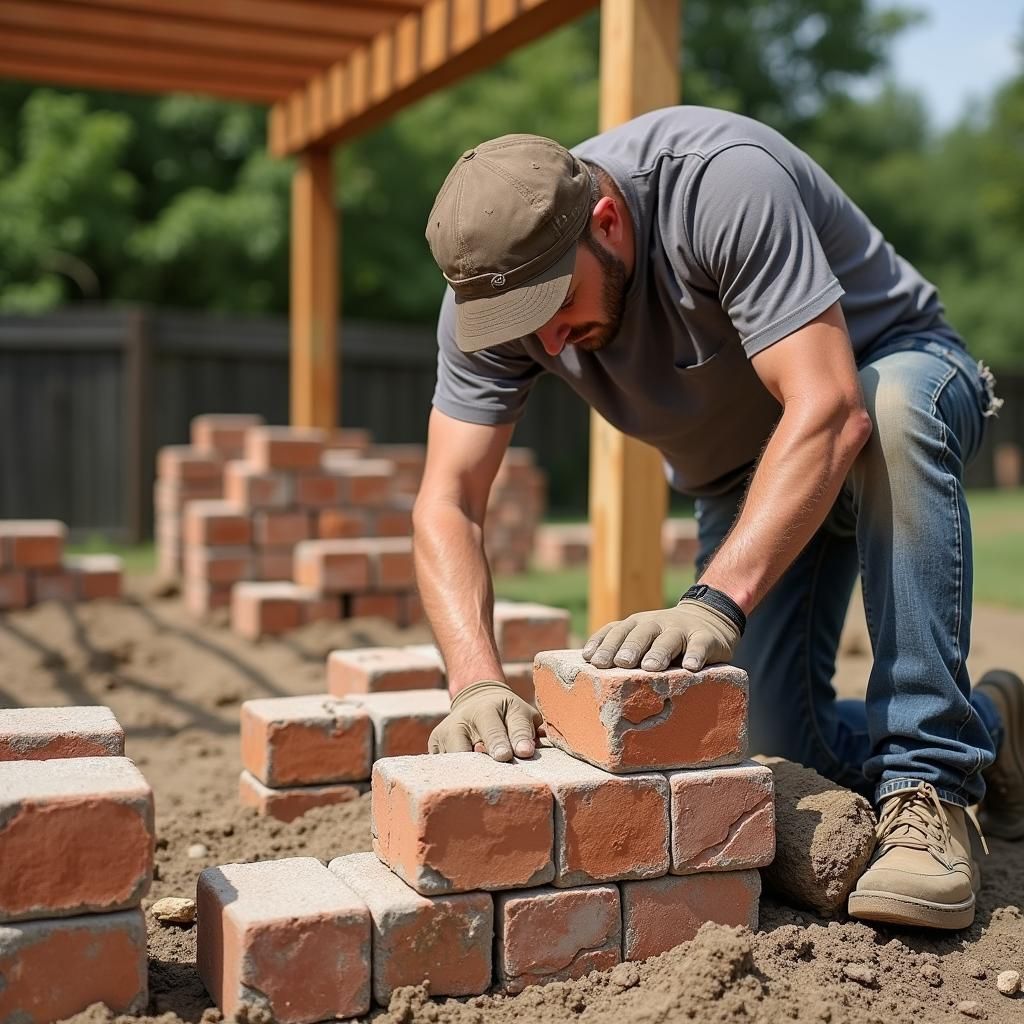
<point>446,41</point>
<point>181,36</point>
<point>79,75</point>
<point>628,494</point>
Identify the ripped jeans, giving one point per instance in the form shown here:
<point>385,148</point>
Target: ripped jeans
<point>901,522</point>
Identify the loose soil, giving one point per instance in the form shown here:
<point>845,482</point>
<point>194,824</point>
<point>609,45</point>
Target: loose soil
<point>176,687</point>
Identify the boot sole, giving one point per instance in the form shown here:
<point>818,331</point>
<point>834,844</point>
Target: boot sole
<point>1008,689</point>
<point>903,910</point>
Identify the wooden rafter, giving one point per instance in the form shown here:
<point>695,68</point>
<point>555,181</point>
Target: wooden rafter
<point>422,52</point>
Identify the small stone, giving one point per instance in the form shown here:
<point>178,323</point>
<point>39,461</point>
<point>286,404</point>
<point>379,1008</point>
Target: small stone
<point>974,969</point>
<point>197,850</point>
<point>970,1008</point>
<point>931,974</point>
<point>862,974</point>
<point>624,976</point>
<point>174,910</point>
<point>1008,982</point>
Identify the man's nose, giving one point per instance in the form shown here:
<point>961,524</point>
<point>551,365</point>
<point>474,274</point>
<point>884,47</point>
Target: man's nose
<point>552,337</point>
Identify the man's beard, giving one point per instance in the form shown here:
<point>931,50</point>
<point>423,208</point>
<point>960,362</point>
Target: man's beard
<point>596,334</point>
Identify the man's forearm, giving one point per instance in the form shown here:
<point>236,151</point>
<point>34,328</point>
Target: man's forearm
<point>795,485</point>
<point>455,586</point>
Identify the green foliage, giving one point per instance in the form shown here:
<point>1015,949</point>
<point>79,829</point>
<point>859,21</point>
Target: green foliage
<point>173,200</point>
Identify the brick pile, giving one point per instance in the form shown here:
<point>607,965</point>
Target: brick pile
<point>305,752</point>
<point>34,568</point>
<point>510,875</point>
<point>76,845</point>
<point>562,545</point>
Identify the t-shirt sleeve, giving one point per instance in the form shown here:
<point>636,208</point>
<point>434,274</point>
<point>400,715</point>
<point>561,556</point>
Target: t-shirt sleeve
<point>488,387</point>
<point>751,233</point>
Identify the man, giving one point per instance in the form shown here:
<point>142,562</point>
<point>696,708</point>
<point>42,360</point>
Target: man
<point>707,288</point>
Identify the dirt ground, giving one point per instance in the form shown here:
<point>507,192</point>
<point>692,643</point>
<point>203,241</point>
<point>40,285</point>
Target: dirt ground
<point>176,687</point>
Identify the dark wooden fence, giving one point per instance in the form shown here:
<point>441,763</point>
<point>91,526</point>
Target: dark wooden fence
<point>88,395</point>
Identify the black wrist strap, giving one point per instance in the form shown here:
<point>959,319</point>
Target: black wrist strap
<point>721,602</point>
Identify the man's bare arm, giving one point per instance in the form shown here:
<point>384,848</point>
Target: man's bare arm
<point>824,426</point>
<point>452,573</point>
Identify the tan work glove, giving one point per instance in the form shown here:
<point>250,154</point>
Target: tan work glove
<point>705,635</point>
<point>490,714</point>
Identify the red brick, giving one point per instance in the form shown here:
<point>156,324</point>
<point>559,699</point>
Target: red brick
<point>561,545</point>
<point>320,490</point>
<point>519,675</point>
<point>428,651</point>
<point>679,541</point>
<point>723,819</point>
<point>219,565</point>
<point>273,564</point>
<point>548,935</point>
<point>76,836</point>
<point>32,543</point>
<point>412,611</point>
<point>342,524</point>
<point>372,669</point>
<point>201,598</point>
<point>171,496</point>
<point>393,523</point>
<point>52,585</point>
<point>320,608</point>
<point>378,606</point>
<point>406,458</point>
<point>285,937</point>
<point>394,562</point>
<point>222,433</point>
<point>96,576</point>
<point>457,822</point>
<point>354,439</point>
<point>272,528</point>
<point>40,734</point>
<point>403,721</point>
<point>180,463</point>
<point>660,913</point>
<point>268,609</point>
<point>52,970</point>
<point>332,566</point>
<point>366,482</point>
<point>607,827</point>
<point>286,803</point>
<point>628,720</point>
<point>290,448</point>
<point>213,524</point>
<point>13,590</point>
<point>302,741</point>
<point>523,630</point>
<point>247,486</point>
<point>444,941</point>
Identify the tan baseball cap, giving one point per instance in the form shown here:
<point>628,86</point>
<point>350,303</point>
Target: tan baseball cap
<point>503,230</point>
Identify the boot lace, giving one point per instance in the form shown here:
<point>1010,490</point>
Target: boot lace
<point>916,820</point>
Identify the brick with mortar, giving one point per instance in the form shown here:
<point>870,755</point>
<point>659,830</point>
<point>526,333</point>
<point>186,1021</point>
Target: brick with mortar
<point>286,803</point>
<point>444,941</point>
<point>522,629</point>
<point>555,934</point>
<point>286,938</point>
<point>375,669</point>
<point>54,969</point>
<point>306,741</point>
<point>14,591</point>
<point>403,721</point>
<point>218,565</point>
<point>222,433</point>
<point>377,606</point>
<point>319,490</point>
<point>660,913</point>
<point>76,837</point>
<point>272,527</point>
<point>33,543</point>
<point>607,827</point>
<point>268,449</point>
<point>458,822</point>
<point>96,576</point>
<point>53,585</point>
<point>628,720</point>
<point>723,819</point>
<point>41,734</point>
<point>181,463</point>
<point>269,609</point>
<point>217,524</point>
<point>333,566</point>
<point>250,488</point>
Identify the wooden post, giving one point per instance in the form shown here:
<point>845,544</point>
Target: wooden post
<point>314,293</point>
<point>628,494</point>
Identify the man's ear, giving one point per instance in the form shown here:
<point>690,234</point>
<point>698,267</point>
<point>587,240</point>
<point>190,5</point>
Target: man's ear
<point>606,220</point>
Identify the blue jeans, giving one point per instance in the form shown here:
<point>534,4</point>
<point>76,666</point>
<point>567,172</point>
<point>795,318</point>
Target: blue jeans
<point>902,523</point>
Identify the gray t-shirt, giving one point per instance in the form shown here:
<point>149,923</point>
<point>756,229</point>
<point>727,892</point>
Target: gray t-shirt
<point>741,239</point>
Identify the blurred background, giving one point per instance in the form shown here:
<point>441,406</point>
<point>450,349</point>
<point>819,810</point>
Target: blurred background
<point>144,240</point>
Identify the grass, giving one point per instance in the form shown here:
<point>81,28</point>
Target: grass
<point>997,516</point>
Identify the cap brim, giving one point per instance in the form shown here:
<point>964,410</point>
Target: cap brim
<point>482,323</point>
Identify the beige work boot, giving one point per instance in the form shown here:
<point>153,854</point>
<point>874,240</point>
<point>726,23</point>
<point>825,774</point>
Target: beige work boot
<point>922,873</point>
<point>1002,810</point>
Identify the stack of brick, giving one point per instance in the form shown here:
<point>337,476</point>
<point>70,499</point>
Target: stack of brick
<point>305,752</point>
<point>517,874</point>
<point>76,845</point>
<point>562,545</point>
<point>34,568</point>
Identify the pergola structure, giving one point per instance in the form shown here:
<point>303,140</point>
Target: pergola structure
<point>330,70</point>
